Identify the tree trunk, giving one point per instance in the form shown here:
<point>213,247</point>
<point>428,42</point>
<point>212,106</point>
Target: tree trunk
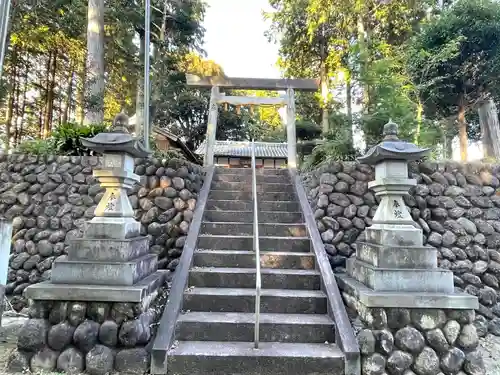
<point>462,129</point>
<point>324,97</point>
<point>10,108</point>
<point>420,110</point>
<point>17,105</point>
<point>50,98</point>
<point>324,84</point>
<point>40,120</point>
<point>363,60</point>
<point>348,96</point>
<point>95,63</point>
<point>80,111</point>
<point>490,129</point>
<point>47,89</point>
<point>23,108</point>
<point>155,86</point>
<point>139,99</point>
<point>8,120</point>
<point>69,94</point>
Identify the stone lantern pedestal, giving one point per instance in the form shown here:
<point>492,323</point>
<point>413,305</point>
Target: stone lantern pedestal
<point>112,261</point>
<point>100,310</point>
<point>408,318</point>
<point>392,262</point>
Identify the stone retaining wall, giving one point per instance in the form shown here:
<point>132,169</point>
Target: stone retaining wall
<point>401,341</point>
<point>457,206</point>
<point>98,337</point>
<point>49,199</point>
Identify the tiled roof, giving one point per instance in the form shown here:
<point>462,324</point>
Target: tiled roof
<point>233,148</point>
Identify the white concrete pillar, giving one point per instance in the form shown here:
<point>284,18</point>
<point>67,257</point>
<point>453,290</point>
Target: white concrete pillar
<point>290,129</point>
<point>5,241</point>
<point>212,126</point>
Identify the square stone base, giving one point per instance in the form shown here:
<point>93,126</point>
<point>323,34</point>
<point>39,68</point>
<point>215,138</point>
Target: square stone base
<point>397,257</point>
<point>401,280</point>
<point>109,293</point>
<point>394,235</point>
<point>112,228</point>
<point>371,298</point>
<point>108,250</point>
<point>103,273</point>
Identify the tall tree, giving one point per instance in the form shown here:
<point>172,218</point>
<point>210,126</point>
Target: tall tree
<point>304,51</point>
<point>95,63</point>
<point>456,58</point>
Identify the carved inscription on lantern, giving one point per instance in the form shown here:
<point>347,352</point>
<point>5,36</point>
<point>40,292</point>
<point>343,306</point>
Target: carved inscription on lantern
<point>398,213</point>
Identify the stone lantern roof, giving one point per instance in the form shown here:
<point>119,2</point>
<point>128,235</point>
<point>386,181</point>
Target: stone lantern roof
<point>392,148</point>
<point>117,140</point>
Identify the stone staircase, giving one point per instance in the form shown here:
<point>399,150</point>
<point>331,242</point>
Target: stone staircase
<point>215,331</point>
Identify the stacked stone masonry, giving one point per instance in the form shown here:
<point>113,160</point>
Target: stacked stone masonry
<point>399,341</point>
<point>50,198</point>
<point>457,206</point>
<point>96,337</point>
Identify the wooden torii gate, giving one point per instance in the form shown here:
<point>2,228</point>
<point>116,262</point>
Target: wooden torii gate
<point>217,98</point>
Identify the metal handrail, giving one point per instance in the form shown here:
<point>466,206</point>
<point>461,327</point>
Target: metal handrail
<point>256,248</point>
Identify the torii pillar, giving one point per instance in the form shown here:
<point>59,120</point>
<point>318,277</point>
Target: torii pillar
<point>291,135</point>
<point>212,126</point>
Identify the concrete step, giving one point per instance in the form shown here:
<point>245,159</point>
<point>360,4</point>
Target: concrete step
<point>239,229</point>
<point>248,178</point>
<point>281,217</point>
<point>232,358</point>
<point>225,242</point>
<point>247,195</point>
<point>246,259</point>
<point>247,187</point>
<point>233,205</point>
<point>225,277</point>
<point>278,301</point>
<point>215,326</point>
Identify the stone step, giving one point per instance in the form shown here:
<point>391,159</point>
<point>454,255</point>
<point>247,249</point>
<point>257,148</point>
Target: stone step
<point>281,217</point>
<point>248,178</point>
<point>247,187</point>
<point>246,259</point>
<point>239,229</point>
<point>216,358</point>
<point>277,301</point>
<point>247,195</point>
<point>233,205</point>
<point>248,171</point>
<point>225,277</point>
<point>225,242</point>
<point>216,326</point>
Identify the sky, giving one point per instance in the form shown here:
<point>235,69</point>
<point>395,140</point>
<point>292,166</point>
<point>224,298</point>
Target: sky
<point>234,38</point>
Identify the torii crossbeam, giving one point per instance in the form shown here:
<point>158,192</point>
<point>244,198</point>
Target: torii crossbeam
<point>288,100</point>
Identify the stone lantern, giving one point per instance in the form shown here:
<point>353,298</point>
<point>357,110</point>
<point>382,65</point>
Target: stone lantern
<point>114,216</point>
<point>392,223</point>
<point>112,261</point>
<point>391,262</point>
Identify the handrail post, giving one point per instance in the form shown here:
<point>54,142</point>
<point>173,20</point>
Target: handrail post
<point>256,248</point>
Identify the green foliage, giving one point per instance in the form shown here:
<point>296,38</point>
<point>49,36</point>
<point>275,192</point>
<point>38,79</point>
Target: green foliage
<point>36,147</point>
<point>64,140</point>
<point>67,137</point>
<point>335,148</point>
<point>307,130</point>
<point>455,61</point>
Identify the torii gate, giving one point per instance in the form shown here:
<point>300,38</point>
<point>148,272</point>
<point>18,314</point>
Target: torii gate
<point>288,100</point>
